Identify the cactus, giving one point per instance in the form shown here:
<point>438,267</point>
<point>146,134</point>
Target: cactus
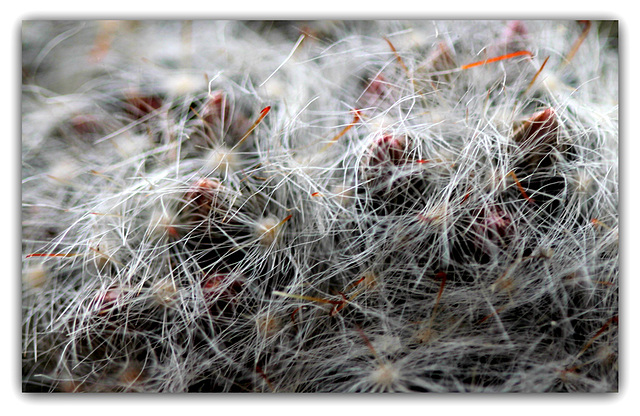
<point>345,206</point>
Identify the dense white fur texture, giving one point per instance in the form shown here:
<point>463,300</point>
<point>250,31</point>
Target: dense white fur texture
<point>320,206</point>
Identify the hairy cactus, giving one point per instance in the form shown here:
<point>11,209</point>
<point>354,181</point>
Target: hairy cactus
<point>345,206</point>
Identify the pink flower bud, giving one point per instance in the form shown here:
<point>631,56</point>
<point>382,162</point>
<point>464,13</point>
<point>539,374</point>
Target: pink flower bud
<point>139,105</point>
<point>221,287</point>
<point>107,300</point>
<point>216,108</point>
<point>202,196</point>
<point>515,28</point>
<point>493,229</point>
<point>388,150</point>
<point>376,91</point>
<point>85,124</point>
<point>537,137</point>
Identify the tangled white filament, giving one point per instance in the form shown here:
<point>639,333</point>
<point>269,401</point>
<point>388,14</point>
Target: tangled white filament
<point>342,206</point>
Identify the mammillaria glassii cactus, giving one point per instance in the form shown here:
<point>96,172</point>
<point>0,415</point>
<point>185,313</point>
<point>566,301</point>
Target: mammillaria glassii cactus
<point>345,206</point>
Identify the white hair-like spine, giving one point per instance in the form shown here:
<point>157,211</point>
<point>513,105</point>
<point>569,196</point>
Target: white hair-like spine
<point>320,206</point>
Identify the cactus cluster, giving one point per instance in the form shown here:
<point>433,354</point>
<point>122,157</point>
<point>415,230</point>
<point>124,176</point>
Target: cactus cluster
<point>320,206</point>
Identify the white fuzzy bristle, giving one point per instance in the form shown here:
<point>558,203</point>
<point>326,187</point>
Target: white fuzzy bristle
<point>221,159</point>
<point>267,230</point>
<point>36,276</point>
<point>64,171</point>
<point>184,84</point>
